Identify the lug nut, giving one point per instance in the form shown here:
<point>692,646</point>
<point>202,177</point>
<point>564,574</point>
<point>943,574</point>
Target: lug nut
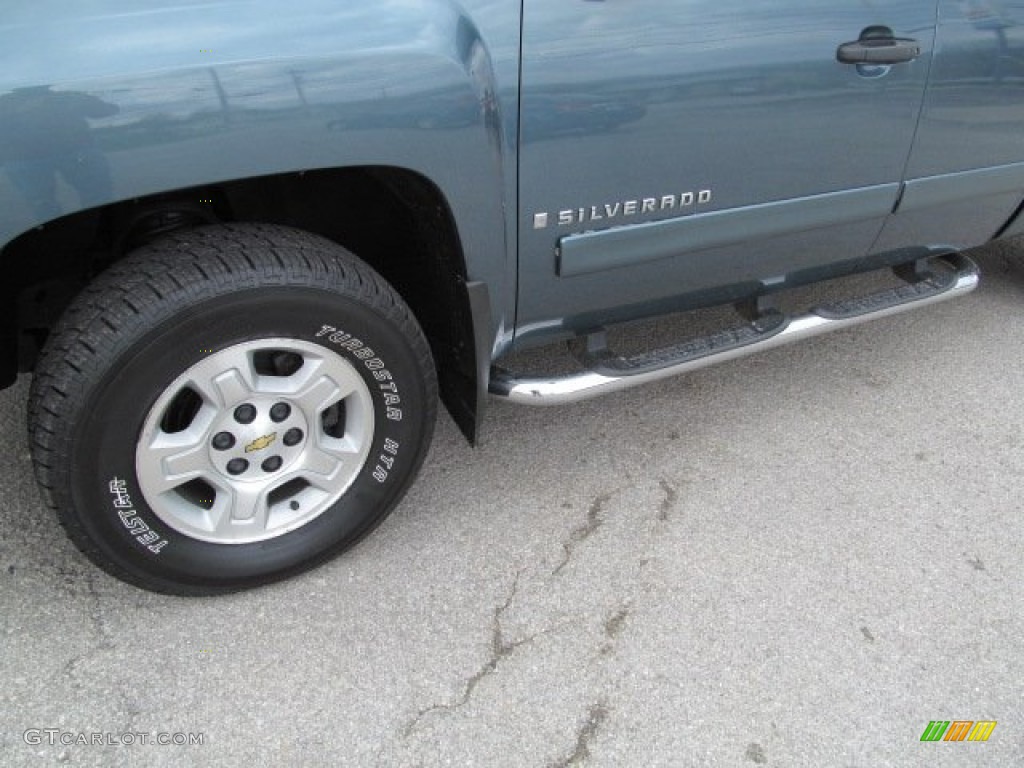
<point>292,437</point>
<point>237,466</point>
<point>272,464</point>
<point>245,414</point>
<point>280,412</point>
<point>223,440</point>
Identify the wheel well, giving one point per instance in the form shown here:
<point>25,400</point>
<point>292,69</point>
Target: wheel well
<point>395,220</point>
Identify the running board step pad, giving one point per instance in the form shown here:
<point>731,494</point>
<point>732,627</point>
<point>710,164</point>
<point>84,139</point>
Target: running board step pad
<point>606,372</point>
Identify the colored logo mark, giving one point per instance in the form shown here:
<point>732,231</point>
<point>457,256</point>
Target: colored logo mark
<point>958,730</point>
<point>261,442</point>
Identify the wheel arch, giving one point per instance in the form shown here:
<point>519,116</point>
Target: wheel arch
<point>432,94</point>
<point>395,219</point>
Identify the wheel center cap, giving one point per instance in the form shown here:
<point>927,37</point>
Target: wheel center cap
<point>258,439</point>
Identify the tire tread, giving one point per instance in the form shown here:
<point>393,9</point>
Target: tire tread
<point>148,287</point>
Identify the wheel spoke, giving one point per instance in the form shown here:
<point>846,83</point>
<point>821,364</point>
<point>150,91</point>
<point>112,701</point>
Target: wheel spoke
<point>317,395</point>
<point>175,459</point>
<point>246,510</point>
<point>232,387</point>
<point>331,465</point>
<point>323,463</point>
<point>226,379</point>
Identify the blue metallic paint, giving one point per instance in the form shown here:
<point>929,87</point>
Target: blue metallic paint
<point>626,246</point>
<point>104,101</point>
<point>744,98</point>
<point>119,102</point>
<point>964,176</point>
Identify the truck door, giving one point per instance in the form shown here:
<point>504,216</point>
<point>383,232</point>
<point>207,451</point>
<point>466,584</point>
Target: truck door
<point>684,152</point>
<point>965,177</point>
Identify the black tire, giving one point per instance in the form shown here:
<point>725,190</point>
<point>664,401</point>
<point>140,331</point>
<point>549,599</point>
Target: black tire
<point>176,310</point>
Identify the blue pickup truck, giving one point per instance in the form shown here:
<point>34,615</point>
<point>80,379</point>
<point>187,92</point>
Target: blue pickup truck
<point>248,245</point>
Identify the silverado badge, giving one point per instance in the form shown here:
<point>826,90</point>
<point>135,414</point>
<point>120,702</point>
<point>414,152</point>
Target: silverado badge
<point>682,203</point>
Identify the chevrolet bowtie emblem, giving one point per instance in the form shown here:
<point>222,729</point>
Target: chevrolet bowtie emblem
<point>261,442</point>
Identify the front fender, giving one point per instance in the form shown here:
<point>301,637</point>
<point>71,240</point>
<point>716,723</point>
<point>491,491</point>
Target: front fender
<point>102,102</point>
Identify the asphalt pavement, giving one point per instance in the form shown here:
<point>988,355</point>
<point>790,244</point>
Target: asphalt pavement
<point>801,558</point>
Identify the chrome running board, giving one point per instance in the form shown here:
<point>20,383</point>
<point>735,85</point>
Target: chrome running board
<point>606,372</point>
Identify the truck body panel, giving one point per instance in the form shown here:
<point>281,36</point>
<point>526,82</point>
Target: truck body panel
<point>964,177</point>
<point>600,162</point>
<point>699,115</point>
<point>105,102</point>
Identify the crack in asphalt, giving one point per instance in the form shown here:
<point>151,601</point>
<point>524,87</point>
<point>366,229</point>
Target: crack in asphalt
<point>614,623</point>
<point>500,649</point>
<point>669,502</point>
<point>975,563</point>
<point>99,622</point>
<point>584,735</point>
<point>613,627</point>
<point>105,641</point>
<point>755,753</point>
<point>131,711</point>
<point>585,531</point>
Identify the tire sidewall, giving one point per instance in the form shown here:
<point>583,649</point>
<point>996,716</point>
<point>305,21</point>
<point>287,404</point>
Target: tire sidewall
<point>105,440</point>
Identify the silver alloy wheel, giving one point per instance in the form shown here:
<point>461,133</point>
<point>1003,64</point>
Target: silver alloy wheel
<point>254,441</point>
